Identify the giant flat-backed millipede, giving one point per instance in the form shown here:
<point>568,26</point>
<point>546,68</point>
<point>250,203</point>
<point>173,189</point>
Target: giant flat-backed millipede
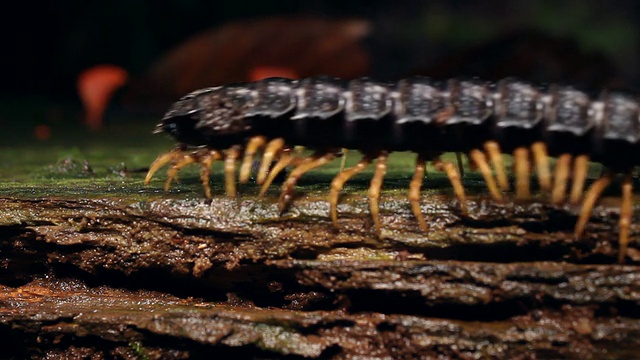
<point>419,115</point>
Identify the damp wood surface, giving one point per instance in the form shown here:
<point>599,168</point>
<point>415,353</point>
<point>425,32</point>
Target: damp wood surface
<point>94,264</point>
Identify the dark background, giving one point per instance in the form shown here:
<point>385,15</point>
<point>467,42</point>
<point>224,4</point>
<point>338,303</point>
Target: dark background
<point>46,44</point>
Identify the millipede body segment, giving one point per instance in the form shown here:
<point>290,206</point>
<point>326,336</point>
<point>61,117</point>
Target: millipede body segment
<point>271,117</point>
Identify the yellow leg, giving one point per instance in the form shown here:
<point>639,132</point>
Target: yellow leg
<point>480,162</point>
<point>175,167</point>
<point>338,183</point>
<point>590,199</point>
<point>455,180</point>
<point>522,168</point>
<point>161,161</point>
<point>374,190</point>
<point>206,161</point>
<point>541,160</point>
<point>230,170</point>
<point>253,145</point>
<point>495,156</point>
<point>282,163</point>
<point>580,170</point>
<point>560,178</point>
<point>310,163</point>
<point>625,216</point>
<point>272,149</point>
<point>414,191</point>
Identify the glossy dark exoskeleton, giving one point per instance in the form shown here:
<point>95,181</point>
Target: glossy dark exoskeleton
<point>415,114</point>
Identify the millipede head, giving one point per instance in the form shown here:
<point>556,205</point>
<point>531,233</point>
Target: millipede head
<point>210,116</point>
<point>181,119</point>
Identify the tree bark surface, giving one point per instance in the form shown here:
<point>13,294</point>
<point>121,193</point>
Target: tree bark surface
<point>170,278</point>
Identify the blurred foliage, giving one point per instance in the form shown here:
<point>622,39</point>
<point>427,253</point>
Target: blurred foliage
<point>59,39</point>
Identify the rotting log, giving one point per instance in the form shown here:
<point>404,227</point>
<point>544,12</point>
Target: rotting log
<point>188,278</point>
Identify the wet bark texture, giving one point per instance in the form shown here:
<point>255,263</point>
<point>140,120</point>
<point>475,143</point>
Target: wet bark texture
<point>187,278</point>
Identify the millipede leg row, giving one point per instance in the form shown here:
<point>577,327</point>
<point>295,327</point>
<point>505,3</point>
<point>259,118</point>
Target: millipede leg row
<point>414,190</point>
<point>206,160</point>
<point>274,147</point>
<point>561,176</point>
<point>274,117</point>
<point>230,158</point>
<point>541,160</point>
<point>254,144</point>
<point>339,181</point>
<point>284,161</point>
<point>495,156</point>
<point>316,160</point>
<point>580,171</point>
<point>374,190</point>
<point>521,169</point>
<point>179,159</point>
<point>626,210</point>
<point>416,184</point>
<point>481,163</point>
<point>456,181</point>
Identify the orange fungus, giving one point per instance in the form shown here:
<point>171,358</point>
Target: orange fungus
<point>96,86</point>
